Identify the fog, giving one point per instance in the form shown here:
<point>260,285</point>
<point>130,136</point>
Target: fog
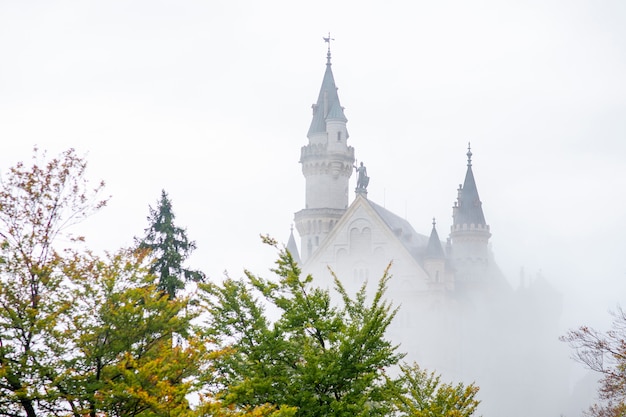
<point>211,101</point>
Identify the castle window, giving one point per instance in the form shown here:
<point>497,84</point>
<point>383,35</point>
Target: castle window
<point>360,275</point>
<point>361,241</point>
<point>338,136</point>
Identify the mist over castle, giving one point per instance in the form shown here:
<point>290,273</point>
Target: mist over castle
<point>458,315</point>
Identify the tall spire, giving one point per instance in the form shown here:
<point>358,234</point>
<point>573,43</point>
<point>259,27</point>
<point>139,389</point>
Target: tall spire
<point>468,208</point>
<point>469,233</point>
<point>327,108</point>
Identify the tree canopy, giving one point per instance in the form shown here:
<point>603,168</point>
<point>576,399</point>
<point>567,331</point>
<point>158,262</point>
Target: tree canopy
<point>88,335</point>
<point>321,359</point>
<point>38,202</point>
<point>420,393</point>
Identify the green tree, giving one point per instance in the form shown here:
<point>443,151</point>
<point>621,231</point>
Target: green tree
<point>419,393</point>
<point>605,353</point>
<point>169,248</point>
<point>321,359</point>
<point>87,336</point>
<point>38,203</point>
<point>122,361</point>
<point>84,336</point>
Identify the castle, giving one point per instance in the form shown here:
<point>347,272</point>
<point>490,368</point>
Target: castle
<point>458,313</point>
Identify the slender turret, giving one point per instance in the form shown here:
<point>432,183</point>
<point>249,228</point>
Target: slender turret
<point>434,257</point>
<point>327,164</point>
<point>469,233</point>
<point>292,247</point>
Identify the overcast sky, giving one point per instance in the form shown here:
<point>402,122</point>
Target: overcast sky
<point>211,101</point>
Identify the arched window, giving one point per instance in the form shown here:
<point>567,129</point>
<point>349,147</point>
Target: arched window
<point>361,241</point>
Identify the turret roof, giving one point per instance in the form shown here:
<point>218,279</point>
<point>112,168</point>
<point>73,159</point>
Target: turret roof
<point>327,106</point>
<point>292,247</point>
<point>434,249</point>
<point>469,207</point>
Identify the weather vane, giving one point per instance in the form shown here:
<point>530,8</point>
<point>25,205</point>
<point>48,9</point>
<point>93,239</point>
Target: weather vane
<point>327,40</point>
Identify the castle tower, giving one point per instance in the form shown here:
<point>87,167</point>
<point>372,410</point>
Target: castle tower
<point>469,234</point>
<point>327,164</point>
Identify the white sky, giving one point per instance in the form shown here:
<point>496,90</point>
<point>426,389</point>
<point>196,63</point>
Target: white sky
<point>210,100</point>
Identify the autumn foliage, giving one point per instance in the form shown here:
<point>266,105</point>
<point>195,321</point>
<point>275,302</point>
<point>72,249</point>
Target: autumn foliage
<point>605,353</point>
<point>116,335</point>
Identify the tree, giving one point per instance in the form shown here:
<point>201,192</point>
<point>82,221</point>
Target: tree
<point>422,394</point>
<point>169,247</point>
<point>82,335</point>
<point>79,335</point>
<point>121,361</point>
<point>85,336</point>
<point>37,205</point>
<point>604,352</point>
<point>321,359</point>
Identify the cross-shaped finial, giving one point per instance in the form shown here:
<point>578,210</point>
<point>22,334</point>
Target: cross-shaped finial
<point>327,39</point>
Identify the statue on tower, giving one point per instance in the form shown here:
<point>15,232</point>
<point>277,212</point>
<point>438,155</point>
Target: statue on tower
<point>362,180</point>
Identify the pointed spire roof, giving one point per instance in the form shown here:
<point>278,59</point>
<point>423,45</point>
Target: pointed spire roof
<point>469,207</point>
<point>327,106</point>
<point>434,250</point>
<point>292,247</point>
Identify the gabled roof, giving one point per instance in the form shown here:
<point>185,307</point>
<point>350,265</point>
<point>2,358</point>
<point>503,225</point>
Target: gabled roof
<point>327,106</point>
<point>414,242</point>
<point>404,234</point>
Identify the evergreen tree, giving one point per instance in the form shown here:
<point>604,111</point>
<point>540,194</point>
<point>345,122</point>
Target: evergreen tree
<point>169,247</point>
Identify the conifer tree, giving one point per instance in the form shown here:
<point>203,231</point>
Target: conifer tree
<point>169,247</point>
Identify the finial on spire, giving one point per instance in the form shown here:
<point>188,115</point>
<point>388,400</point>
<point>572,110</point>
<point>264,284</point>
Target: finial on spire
<point>469,154</point>
<point>327,40</point>
<point>434,222</point>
